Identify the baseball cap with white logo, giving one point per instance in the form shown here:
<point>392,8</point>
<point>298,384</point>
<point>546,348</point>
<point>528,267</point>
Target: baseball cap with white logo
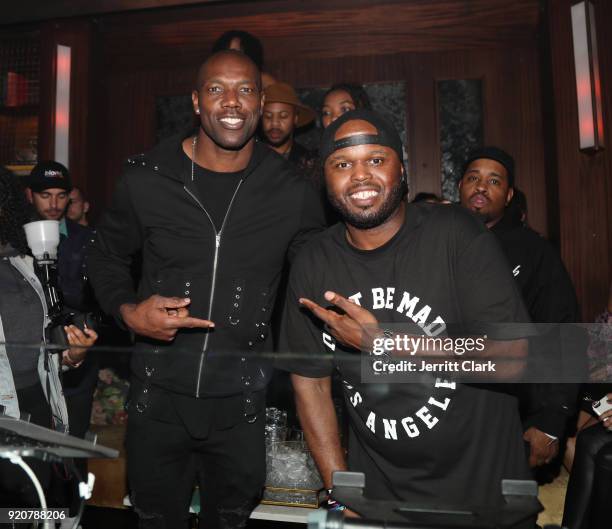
<point>49,175</point>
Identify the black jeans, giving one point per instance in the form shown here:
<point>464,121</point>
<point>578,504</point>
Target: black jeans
<point>165,461</point>
<point>588,502</point>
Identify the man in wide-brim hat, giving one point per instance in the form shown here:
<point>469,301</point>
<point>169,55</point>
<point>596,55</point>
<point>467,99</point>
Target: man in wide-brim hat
<point>283,112</point>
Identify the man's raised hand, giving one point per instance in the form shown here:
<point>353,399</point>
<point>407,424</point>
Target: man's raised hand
<point>161,317</point>
<point>355,327</point>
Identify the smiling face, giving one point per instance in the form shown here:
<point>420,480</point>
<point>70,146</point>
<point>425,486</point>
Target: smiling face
<point>278,122</point>
<point>364,182</point>
<point>335,104</point>
<point>484,189</point>
<point>229,99</point>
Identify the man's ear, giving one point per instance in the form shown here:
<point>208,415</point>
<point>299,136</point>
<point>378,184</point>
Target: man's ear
<point>86,207</point>
<point>262,103</point>
<point>403,173</point>
<point>28,194</point>
<point>509,195</point>
<point>195,100</point>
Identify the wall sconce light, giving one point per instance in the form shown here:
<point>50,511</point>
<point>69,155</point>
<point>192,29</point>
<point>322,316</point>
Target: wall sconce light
<point>588,82</point>
<point>62,104</point>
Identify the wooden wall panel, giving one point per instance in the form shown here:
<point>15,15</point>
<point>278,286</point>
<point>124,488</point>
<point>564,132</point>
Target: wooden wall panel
<point>323,29</point>
<point>584,180</point>
<point>130,101</point>
<point>148,54</point>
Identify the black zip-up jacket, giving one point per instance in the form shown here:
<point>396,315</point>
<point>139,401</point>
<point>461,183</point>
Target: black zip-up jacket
<point>231,276</point>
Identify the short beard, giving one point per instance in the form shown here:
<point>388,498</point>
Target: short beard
<point>484,217</point>
<point>278,143</point>
<point>365,220</point>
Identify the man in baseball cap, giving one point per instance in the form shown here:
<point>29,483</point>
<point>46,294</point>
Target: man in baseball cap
<point>283,112</point>
<point>487,188</point>
<point>48,188</point>
<point>388,266</point>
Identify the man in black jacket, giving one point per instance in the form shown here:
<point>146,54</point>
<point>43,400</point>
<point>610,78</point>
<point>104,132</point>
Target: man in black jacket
<point>49,185</point>
<point>48,191</point>
<point>48,188</point>
<point>487,188</point>
<point>214,215</point>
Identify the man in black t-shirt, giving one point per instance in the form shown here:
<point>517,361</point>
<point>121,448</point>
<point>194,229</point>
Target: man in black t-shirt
<point>426,265</point>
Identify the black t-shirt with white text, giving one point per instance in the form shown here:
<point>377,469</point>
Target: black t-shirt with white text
<point>428,440</point>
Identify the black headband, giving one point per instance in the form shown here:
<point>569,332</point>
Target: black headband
<point>358,139</point>
<point>386,134</point>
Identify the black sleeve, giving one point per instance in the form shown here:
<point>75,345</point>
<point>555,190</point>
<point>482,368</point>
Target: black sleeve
<point>312,219</point>
<point>301,347</point>
<point>488,295</point>
<point>555,299</point>
<point>550,406</point>
<point>118,238</point>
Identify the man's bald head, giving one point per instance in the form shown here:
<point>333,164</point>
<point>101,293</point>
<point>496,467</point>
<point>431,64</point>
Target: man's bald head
<point>225,55</point>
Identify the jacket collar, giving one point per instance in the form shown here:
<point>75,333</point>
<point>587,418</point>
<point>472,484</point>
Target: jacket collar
<point>510,221</point>
<point>168,158</point>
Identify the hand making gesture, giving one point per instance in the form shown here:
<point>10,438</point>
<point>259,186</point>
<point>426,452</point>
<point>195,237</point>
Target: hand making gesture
<point>161,317</point>
<point>355,326</point>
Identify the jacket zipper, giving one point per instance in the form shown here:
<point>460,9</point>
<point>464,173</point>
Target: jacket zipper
<point>214,274</point>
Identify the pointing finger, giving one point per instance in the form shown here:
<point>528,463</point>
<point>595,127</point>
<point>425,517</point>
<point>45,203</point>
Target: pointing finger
<point>191,323</point>
<point>327,316</point>
<point>352,309</point>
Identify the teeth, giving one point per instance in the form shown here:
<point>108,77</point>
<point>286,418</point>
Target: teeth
<point>364,194</point>
<point>231,121</point>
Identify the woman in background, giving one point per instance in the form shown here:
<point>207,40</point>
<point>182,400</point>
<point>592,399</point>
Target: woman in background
<point>342,98</point>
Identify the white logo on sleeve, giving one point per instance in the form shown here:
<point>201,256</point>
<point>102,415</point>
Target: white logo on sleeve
<point>517,270</point>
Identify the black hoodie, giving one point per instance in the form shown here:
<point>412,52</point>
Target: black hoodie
<point>549,296</point>
<point>231,277</point>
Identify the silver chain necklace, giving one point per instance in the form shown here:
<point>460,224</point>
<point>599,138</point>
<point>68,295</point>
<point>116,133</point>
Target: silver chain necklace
<point>193,146</point>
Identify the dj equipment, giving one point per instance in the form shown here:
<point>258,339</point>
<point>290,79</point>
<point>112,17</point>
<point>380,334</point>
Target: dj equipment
<point>31,440</point>
<point>520,505</point>
<point>19,439</point>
